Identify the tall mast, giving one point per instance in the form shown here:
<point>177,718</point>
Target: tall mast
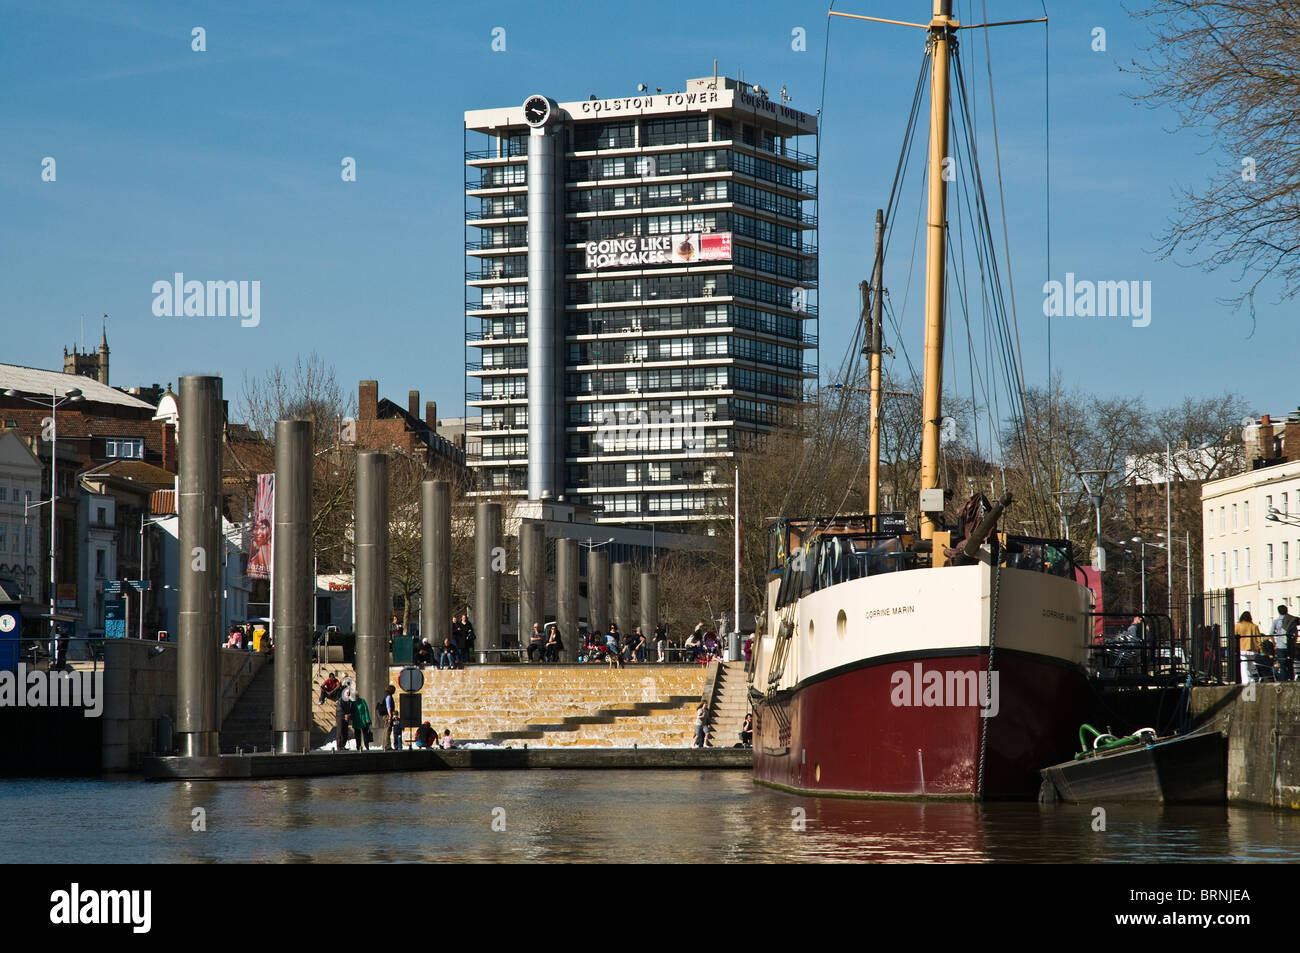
<point>942,36</point>
<point>876,344</point>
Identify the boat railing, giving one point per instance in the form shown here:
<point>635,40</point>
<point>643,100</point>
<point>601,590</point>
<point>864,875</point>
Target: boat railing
<point>1138,649</point>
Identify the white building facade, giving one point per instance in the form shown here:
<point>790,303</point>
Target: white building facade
<point>20,511</point>
<point>1251,537</point>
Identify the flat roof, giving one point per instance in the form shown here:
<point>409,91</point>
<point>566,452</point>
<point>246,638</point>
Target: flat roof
<point>785,120</point>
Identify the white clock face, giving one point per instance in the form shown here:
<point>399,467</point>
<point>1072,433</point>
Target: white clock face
<point>536,110</point>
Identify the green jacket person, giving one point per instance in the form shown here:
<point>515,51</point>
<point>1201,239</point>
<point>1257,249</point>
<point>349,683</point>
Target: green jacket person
<point>361,722</point>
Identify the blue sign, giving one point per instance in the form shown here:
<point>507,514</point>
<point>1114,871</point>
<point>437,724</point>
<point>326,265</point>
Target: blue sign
<point>112,588</point>
<point>139,585</point>
<point>114,618</point>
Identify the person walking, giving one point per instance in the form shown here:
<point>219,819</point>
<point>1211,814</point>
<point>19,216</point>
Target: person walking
<point>392,724</point>
<point>701,726</point>
<point>342,716</point>
<point>1247,633</point>
<point>1284,627</point>
<point>661,642</point>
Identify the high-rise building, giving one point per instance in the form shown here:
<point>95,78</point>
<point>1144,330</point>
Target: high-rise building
<point>641,294</point>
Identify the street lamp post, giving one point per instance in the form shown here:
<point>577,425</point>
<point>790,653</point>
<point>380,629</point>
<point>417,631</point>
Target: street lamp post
<point>1096,497</point>
<point>73,395</point>
<point>1167,546</point>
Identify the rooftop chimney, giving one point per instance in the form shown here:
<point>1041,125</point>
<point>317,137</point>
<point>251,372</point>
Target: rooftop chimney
<point>413,403</point>
<point>431,414</point>
<point>368,400</point>
<point>1266,437</point>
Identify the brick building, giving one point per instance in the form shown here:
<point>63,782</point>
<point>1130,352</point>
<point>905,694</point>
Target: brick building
<point>1266,439</point>
<point>383,424</point>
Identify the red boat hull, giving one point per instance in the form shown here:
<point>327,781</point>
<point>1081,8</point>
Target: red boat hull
<point>866,730</point>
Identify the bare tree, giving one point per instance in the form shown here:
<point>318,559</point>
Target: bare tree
<point>309,391</point>
<point>1227,68</point>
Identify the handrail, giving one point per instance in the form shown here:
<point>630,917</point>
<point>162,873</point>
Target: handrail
<point>234,681</point>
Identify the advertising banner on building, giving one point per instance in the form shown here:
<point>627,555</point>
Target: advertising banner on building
<point>658,250</point>
<point>715,246</point>
<point>259,547</point>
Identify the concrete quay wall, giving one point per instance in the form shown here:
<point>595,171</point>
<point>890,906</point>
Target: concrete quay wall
<point>140,689</point>
<point>1262,723</point>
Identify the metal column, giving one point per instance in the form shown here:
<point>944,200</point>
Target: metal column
<point>487,581</point>
<point>598,617</point>
<point>532,577</point>
<point>435,545</point>
<point>623,614</point>
<point>198,649</point>
<point>291,577</point>
<point>546,290</point>
<point>373,597</point>
<point>649,609</point>
<point>566,594</point>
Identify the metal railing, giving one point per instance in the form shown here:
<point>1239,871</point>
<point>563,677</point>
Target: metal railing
<point>1145,653</point>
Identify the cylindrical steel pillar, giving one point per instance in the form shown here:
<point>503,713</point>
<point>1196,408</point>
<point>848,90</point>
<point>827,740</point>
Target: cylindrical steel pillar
<point>294,587</point>
<point>649,610</point>
<point>487,576</point>
<point>532,577</point>
<point>373,597</point>
<point>623,615</point>
<point>198,648</point>
<point>566,594</point>
<point>546,290</point>
<point>435,603</point>
<point>598,617</point>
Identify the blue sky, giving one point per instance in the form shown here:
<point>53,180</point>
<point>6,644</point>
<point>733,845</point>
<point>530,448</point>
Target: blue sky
<point>225,165</point>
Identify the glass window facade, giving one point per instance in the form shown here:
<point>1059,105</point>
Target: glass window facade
<point>671,366</point>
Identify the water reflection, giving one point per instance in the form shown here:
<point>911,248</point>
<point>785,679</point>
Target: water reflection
<point>614,816</point>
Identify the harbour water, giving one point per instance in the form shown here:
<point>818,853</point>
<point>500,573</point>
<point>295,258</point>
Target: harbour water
<point>577,816</point>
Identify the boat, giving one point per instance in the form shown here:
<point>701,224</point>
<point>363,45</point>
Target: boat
<point>936,663</point>
<point>1178,769</point>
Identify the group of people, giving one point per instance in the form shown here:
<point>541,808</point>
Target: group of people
<point>703,646</point>
<point>455,650</point>
<point>702,718</point>
<point>241,637</point>
<point>1273,656</point>
<point>353,716</point>
<point>426,736</point>
<point>615,649</point>
<point>545,645</point>
<point>352,712</point>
